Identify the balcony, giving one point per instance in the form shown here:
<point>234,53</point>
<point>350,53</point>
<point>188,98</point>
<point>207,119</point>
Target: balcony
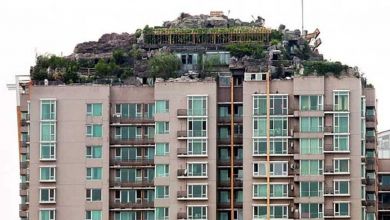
<point>384,206</point>
<point>370,145</point>
<point>329,148</point>
<point>191,134</point>
<point>370,187</point>
<point>130,162</point>
<point>139,204</point>
<point>332,108</point>
<point>226,205</point>
<point>182,152</point>
<point>370,139</point>
<point>226,183</point>
<point>133,120</point>
<point>237,139</point>
<point>328,129</point>
<point>329,191</point>
<point>226,162</point>
<point>371,163</point>
<point>183,173</point>
<point>329,170</point>
<point>182,113</point>
<point>23,192</point>
<point>370,118</point>
<point>370,202</point>
<point>132,141</point>
<point>137,183</point>
<point>23,186</point>
<point>23,214</point>
<point>384,187</point>
<point>182,195</point>
<point>181,215</point>
<point>23,165</point>
<point>227,119</point>
<point>23,207</point>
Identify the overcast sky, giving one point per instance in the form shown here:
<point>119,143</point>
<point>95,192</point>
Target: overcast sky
<point>352,31</point>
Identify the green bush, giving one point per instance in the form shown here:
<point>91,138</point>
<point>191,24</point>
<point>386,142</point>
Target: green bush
<point>164,65</point>
<point>323,67</point>
<point>255,50</point>
<point>66,68</point>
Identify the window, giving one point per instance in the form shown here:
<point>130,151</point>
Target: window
<point>94,109</point>
<point>276,211</point>
<point>278,146</point>
<point>162,192</point>
<point>93,215</point>
<point>197,105</point>
<point>48,110</point>
<point>197,127</point>
<point>94,152</point>
<point>277,168</point>
<point>128,132</point>
<point>197,191</point>
<point>48,131</point>
<point>341,123</point>
<point>93,195</point>
<point>162,213</point>
<point>47,195</point>
<point>162,170</point>
<point>341,142</point>
<point>311,167</point>
<point>311,189</point>
<point>94,130</point>
<point>47,214</point>
<point>311,210</point>
<point>341,208</point>
<point>196,212</point>
<point>47,151</point>
<point>276,190</point>
<point>310,103</point>
<point>341,187</point>
<point>341,165</point>
<point>278,127</point>
<point>197,147</point>
<point>162,106</point>
<point>162,127</point>
<point>278,105</point>
<point>162,149</point>
<point>310,145</point>
<point>197,169</point>
<point>94,173</point>
<point>341,101</point>
<point>311,124</point>
<point>130,110</point>
<point>47,174</point>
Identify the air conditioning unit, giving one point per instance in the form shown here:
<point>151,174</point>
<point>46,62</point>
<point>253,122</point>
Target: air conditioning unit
<point>117,115</point>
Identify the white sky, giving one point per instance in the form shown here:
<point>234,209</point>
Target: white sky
<point>353,31</point>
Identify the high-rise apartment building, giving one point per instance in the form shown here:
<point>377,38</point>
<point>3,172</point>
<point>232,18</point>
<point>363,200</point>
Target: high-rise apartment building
<point>164,151</point>
<point>266,137</point>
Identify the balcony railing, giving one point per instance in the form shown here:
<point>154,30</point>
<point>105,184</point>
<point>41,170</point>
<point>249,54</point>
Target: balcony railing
<point>132,120</point>
<point>226,205</point>
<point>137,183</point>
<point>370,118</point>
<point>183,173</point>
<point>237,139</point>
<point>332,108</point>
<point>132,141</point>
<point>185,134</point>
<point>384,187</point>
<point>23,186</point>
<point>227,119</point>
<point>182,113</point>
<point>139,204</point>
<point>181,215</point>
<point>183,152</point>
<point>23,165</point>
<point>23,207</point>
<point>328,129</point>
<point>370,139</point>
<point>383,206</point>
<point>23,214</point>
<point>226,183</point>
<point>226,162</point>
<point>132,162</point>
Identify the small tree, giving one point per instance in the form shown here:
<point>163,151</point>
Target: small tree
<point>164,65</point>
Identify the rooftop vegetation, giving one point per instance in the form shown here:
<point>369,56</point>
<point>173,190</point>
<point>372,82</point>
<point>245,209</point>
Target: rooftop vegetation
<point>324,68</point>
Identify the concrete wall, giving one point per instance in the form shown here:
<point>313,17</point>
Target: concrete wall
<point>71,163</point>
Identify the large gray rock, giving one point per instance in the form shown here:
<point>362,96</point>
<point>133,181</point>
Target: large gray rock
<point>106,44</point>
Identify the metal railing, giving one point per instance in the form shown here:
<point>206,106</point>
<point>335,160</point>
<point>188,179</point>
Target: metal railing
<point>132,162</point>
